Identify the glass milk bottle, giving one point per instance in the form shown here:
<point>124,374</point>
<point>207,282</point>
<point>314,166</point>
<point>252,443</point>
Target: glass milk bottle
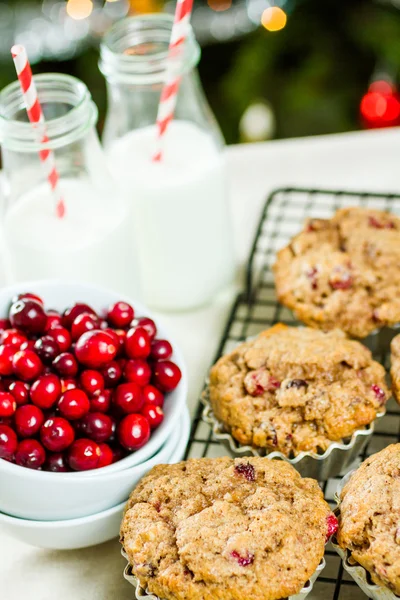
<point>92,243</point>
<point>179,205</point>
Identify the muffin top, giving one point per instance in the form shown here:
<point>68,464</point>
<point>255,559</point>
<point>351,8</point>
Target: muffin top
<point>297,389</point>
<point>395,366</point>
<point>369,523</point>
<point>225,529</point>
<point>343,272</point>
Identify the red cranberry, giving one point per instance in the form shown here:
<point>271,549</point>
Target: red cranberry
<point>28,420</point>
<point>8,405</point>
<point>47,349</point>
<point>74,404</point>
<point>137,343</point>
<point>101,401</point>
<point>68,384</point>
<point>373,222</point>
<point>113,435</point>
<point>112,373</point>
<point>56,463</point>
<point>27,365</point>
<point>116,338</point>
<point>120,314</point>
<point>61,336</point>
<point>4,324</point>
<point>28,315</point>
<point>28,345</point>
<point>332,526</point>
<point>45,391</point>
<point>312,273</point>
<point>84,455</point>
<point>118,453</point>
<point>154,415</point>
<point>30,454</point>
<point>167,375</point>
<point>243,560</point>
<point>20,391</point>
<point>379,393</point>
<point>147,324</point>
<point>71,313</point>
<point>121,335</point>
<point>5,383</point>
<point>56,434</point>
<point>152,395</point>
<point>6,360</point>
<point>128,398</point>
<point>28,296</point>
<point>161,350</point>
<point>344,284</point>
<point>13,338</point>
<point>53,320</point>
<point>8,442</point>
<point>65,364</point>
<point>97,426</point>
<point>122,362</point>
<point>246,470</point>
<point>83,323</point>
<point>92,381</point>
<point>137,371</point>
<point>106,456</point>
<point>133,432</point>
<point>95,348</point>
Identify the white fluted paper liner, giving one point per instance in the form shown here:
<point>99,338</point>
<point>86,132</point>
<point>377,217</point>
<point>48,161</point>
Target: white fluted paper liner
<point>140,593</point>
<point>357,572</point>
<point>331,463</point>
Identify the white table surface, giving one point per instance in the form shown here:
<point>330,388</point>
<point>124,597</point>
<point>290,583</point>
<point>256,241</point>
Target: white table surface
<point>366,161</point>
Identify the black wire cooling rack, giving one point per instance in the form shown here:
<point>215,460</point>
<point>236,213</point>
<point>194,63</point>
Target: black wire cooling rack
<point>256,309</point>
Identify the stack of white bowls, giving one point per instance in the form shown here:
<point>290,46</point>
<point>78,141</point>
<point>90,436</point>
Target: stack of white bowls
<point>76,510</point>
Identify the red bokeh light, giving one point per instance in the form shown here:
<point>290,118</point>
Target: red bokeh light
<point>380,106</point>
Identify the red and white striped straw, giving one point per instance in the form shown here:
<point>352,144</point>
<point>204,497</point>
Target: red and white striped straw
<point>170,90</point>
<point>36,117</point>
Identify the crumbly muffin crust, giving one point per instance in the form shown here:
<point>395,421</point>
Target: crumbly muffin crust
<point>297,389</point>
<point>224,529</point>
<point>343,272</point>
<point>369,522</point>
<point>395,366</point>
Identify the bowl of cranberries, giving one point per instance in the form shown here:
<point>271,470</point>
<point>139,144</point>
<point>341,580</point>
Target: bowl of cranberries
<point>89,382</point>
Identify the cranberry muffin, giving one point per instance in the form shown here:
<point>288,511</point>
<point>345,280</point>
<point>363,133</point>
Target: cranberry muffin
<point>395,367</point>
<point>296,389</point>
<point>224,529</point>
<point>343,272</point>
<point>369,521</point>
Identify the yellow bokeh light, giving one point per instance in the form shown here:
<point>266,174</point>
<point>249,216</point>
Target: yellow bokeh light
<point>274,18</point>
<point>79,9</point>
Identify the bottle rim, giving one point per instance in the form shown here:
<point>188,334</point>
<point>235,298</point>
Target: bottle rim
<point>150,34</point>
<point>80,114</point>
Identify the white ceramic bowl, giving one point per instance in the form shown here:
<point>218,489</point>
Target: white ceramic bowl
<point>43,496</point>
<point>40,495</point>
<point>93,529</point>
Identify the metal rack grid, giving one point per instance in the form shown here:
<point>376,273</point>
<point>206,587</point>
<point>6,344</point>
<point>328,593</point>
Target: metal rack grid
<point>257,309</point>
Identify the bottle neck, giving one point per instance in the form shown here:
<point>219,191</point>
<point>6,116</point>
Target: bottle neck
<point>135,50</point>
<point>68,110</point>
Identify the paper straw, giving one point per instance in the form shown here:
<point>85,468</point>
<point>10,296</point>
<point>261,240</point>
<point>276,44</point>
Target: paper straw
<point>170,90</point>
<point>36,117</point>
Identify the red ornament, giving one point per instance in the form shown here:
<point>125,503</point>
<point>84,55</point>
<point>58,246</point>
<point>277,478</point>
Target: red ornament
<point>380,106</point>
